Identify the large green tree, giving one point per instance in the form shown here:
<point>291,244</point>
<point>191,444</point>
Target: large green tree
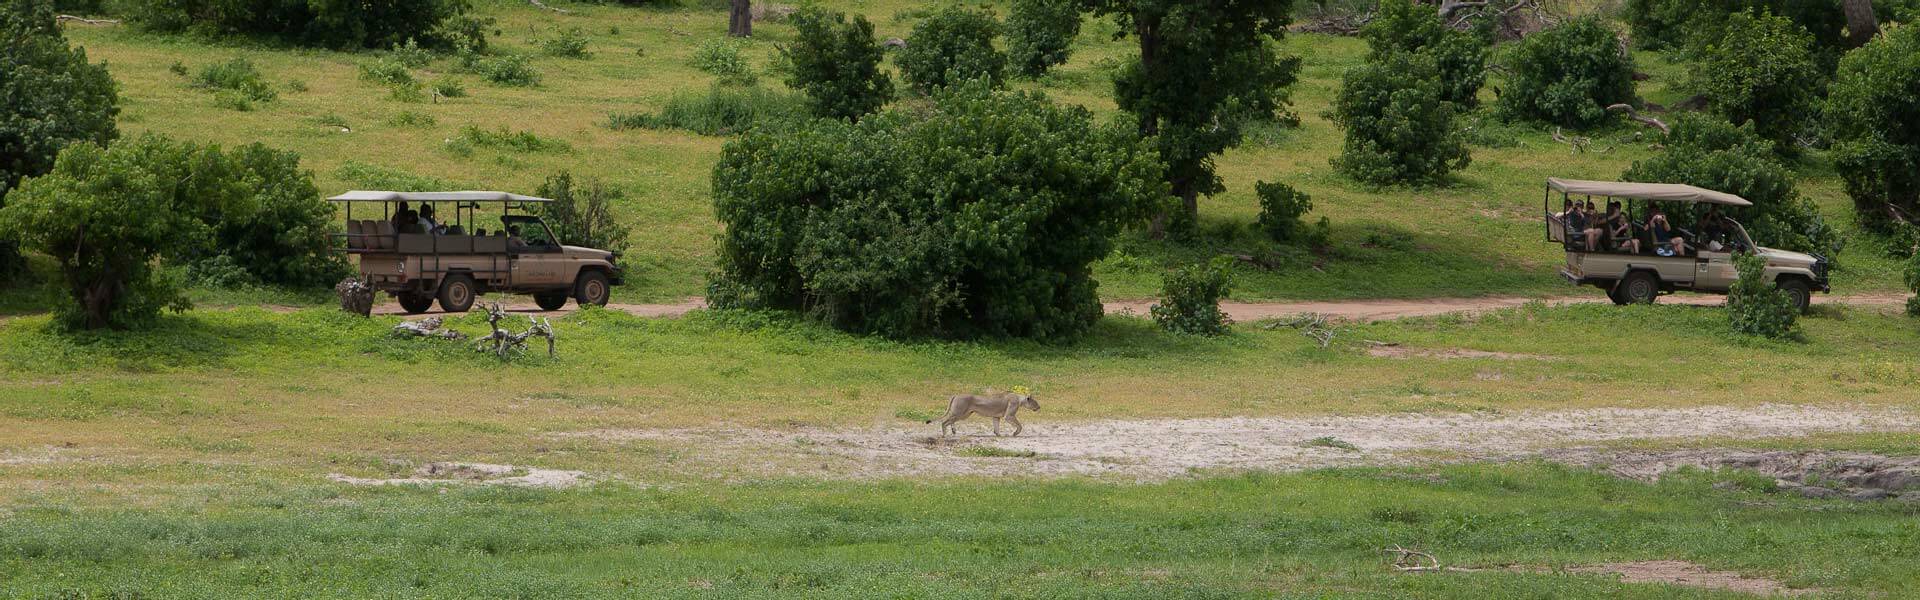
<point>1040,34</point>
<point>50,96</point>
<point>1407,26</point>
<point>951,46</point>
<point>1199,61</point>
<point>1873,112</point>
<point>1758,69</point>
<point>1400,125</point>
<point>1567,75</point>
<point>836,63</point>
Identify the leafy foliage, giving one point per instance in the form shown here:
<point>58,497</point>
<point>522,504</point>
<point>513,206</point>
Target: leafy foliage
<point>325,23</point>
<point>1406,26</point>
<point>952,46</point>
<point>570,43</point>
<point>512,70</point>
<point>1758,69</point>
<point>1400,127</point>
<point>720,110</point>
<point>1190,299</point>
<point>977,216</point>
<point>836,64</point>
<point>1755,306</point>
<point>1199,64</point>
<point>1040,34</point>
<point>238,76</point>
<point>581,213</point>
<point>50,96</point>
<point>1873,110</point>
<point>283,234</point>
<point>1281,207</point>
<point>722,59</point>
<point>1713,154</point>
<point>1912,278</point>
<point>1567,75</point>
<point>1669,24</point>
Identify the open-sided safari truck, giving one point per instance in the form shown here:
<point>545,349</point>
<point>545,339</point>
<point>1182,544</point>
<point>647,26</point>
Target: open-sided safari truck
<point>1636,267</point>
<point>465,256</point>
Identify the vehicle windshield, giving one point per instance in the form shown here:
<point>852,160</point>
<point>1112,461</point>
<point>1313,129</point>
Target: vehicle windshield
<point>531,230</point>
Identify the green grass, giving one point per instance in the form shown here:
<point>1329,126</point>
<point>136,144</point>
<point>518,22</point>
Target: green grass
<point>996,452</point>
<point>1310,535</point>
<point>1479,235</point>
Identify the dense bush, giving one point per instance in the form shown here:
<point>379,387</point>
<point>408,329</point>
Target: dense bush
<point>1281,207</point>
<point>327,23</point>
<point>511,70</point>
<point>50,96</point>
<point>720,110</point>
<point>1713,154</point>
<point>570,43</point>
<point>1873,113</point>
<point>1912,278</point>
<point>1567,75</point>
<point>722,58</point>
<point>1406,26</point>
<point>836,64</point>
<point>979,215</point>
<point>1670,24</point>
<point>1190,299</point>
<point>1040,34</point>
<point>951,46</point>
<point>1758,69</point>
<point>106,215</point>
<point>1755,306</point>
<point>1400,126</point>
<point>581,212</point>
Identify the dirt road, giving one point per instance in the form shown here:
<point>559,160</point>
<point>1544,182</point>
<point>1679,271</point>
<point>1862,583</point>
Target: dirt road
<point>1349,310</point>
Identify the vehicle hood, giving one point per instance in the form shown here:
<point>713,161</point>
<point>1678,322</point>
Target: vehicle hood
<point>1788,258</point>
<point>588,253</point>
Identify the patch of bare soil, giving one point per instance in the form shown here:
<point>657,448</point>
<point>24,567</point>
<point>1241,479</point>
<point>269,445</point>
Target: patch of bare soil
<point>476,473</point>
<point>1686,574</point>
<point>1396,351</point>
<point>1813,474</point>
<point>1164,448</point>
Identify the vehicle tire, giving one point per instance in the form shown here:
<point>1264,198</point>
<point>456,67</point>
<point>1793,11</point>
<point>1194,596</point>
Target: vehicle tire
<point>592,289</point>
<point>416,303</point>
<point>1797,289</point>
<point>551,300</point>
<point>457,293</point>
<point>1613,293</point>
<point>1639,287</point>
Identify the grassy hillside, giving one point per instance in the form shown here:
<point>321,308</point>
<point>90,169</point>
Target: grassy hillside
<point>1478,236</point>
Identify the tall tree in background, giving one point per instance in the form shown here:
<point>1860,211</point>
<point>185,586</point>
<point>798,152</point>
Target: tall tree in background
<point>50,96</point>
<point>740,19</point>
<point>1861,24</point>
<point>1198,61</point>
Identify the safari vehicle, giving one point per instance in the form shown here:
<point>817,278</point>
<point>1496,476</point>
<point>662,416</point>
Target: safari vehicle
<point>1630,276</point>
<point>465,259</point>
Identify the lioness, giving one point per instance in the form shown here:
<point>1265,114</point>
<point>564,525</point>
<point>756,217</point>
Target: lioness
<point>1000,405</point>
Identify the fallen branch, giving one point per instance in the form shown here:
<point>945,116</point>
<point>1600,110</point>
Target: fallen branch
<point>1312,325</point>
<point>355,296</point>
<point>538,3</point>
<point>1577,143</point>
<point>1643,120</point>
<point>428,328</point>
<point>1407,561</point>
<point>504,343</point>
<point>86,21</point>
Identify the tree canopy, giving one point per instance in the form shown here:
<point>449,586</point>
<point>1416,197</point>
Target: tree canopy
<point>1567,75</point>
<point>1873,112</point>
<point>50,96</point>
<point>1759,69</point>
<point>836,63</point>
<point>953,45</point>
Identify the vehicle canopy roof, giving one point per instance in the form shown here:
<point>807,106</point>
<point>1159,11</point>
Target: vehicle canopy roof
<point>382,196</point>
<point>1664,192</point>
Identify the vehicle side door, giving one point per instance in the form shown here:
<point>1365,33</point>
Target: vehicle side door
<point>539,262</point>
<point>1715,271</point>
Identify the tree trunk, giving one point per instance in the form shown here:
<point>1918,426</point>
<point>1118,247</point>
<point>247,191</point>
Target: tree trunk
<point>1861,24</point>
<point>1147,31</point>
<point>740,20</point>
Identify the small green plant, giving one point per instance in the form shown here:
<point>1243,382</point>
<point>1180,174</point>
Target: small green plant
<point>997,452</point>
<point>1190,299</point>
<point>522,141</point>
<point>386,70</point>
<point>407,118</point>
<point>1281,207</point>
<point>178,68</point>
<point>1331,442</point>
<point>238,76</point>
<point>571,43</point>
<point>722,59</point>
<point>232,101</point>
<point>411,54</point>
<point>721,110</point>
<point>296,85</point>
<point>512,70</point>
<point>412,93</point>
<point>581,212</point>
<point>1755,306</point>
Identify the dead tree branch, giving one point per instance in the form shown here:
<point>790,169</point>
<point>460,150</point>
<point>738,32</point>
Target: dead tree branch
<point>1637,117</point>
<point>86,21</point>
<point>507,344</point>
<point>429,327</point>
<point>539,4</point>
<point>1312,325</point>
<point>1405,560</point>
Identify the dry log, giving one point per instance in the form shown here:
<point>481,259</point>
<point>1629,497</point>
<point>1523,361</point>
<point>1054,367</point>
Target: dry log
<point>1643,120</point>
<point>86,21</point>
<point>539,4</point>
<point>355,296</point>
<point>506,344</point>
<point>428,327</point>
<point>1405,560</point>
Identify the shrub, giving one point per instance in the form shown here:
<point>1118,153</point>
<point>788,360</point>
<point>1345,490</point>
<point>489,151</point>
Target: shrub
<point>413,93</point>
<point>1040,34</point>
<point>50,96</point>
<point>387,70</point>
<point>1754,305</point>
<point>582,212</point>
<point>1400,127</point>
<point>1758,69</point>
<point>1281,207</point>
<point>448,87</point>
<point>1713,154</point>
<point>836,64</point>
<point>238,76</point>
<point>1461,57</point>
<point>1567,75</point>
<point>924,223</point>
<point>411,54</point>
<point>721,58</point>
<point>507,69</point>
<point>285,235</point>
<point>1190,299</point>
<point>521,141</point>
<point>407,118</point>
<point>571,43</point>
<point>1874,116</point>
<point>721,110</point>
<point>1670,24</point>
<point>951,46</point>
<point>332,24</point>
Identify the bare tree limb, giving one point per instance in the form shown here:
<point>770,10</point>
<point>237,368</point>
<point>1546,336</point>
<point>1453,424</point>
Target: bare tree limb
<point>87,21</point>
<point>539,4</point>
<point>1405,560</point>
<point>1644,120</point>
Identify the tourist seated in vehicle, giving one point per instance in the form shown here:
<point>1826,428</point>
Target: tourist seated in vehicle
<point>1620,229</point>
<point>1596,227</point>
<point>427,223</point>
<point>405,219</point>
<point>1714,229</point>
<point>1667,239</point>
<point>1573,222</point>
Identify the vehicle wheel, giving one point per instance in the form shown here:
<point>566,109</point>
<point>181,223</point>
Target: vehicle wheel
<point>592,289</point>
<point>457,293</point>
<point>1613,293</point>
<point>416,303</point>
<point>1640,287</point>
<point>551,300</point>
<point>1797,289</point>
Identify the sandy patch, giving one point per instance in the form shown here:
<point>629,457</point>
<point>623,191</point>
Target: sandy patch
<point>1399,352</point>
<point>1163,448</point>
<point>1686,574</point>
<point>477,473</point>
